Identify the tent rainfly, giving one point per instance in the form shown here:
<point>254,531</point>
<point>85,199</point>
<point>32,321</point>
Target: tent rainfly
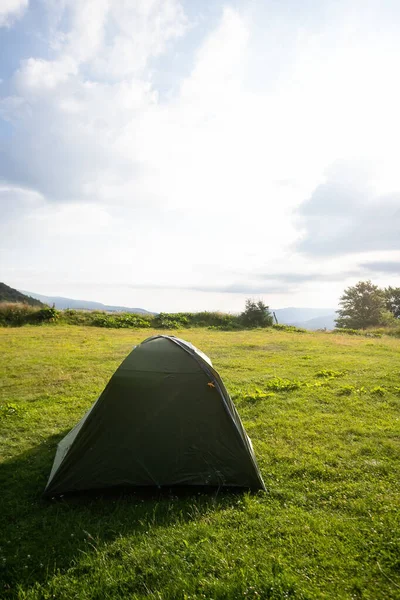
<point>164,419</point>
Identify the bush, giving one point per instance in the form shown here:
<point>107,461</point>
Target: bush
<point>215,320</point>
<point>380,331</point>
<point>98,318</point>
<point>15,314</point>
<point>171,321</point>
<point>45,315</point>
<point>119,321</point>
<point>289,328</point>
<point>76,317</point>
<point>256,314</point>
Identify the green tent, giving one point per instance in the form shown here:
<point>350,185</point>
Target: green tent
<point>164,419</point>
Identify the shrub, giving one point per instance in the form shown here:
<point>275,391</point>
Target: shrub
<point>289,328</point>
<point>76,317</point>
<point>118,321</point>
<point>379,332</point>
<point>45,315</point>
<point>102,320</point>
<point>171,321</point>
<point>215,320</point>
<point>15,314</point>
<point>256,314</point>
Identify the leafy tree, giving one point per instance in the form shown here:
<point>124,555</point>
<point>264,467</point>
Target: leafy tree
<point>362,306</point>
<point>392,299</point>
<point>256,314</point>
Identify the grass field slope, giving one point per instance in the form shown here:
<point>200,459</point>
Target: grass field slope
<point>323,412</point>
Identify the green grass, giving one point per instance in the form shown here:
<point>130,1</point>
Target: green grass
<point>323,412</point>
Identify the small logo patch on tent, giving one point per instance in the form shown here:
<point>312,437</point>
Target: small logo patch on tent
<point>210,384</point>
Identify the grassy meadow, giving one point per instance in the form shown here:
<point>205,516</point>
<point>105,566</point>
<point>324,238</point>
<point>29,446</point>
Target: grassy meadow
<point>323,413</point>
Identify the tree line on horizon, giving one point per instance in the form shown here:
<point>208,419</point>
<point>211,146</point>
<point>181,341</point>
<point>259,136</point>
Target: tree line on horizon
<point>362,306</point>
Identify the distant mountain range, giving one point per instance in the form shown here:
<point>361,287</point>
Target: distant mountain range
<point>62,303</point>
<point>308,318</point>
<point>324,322</point>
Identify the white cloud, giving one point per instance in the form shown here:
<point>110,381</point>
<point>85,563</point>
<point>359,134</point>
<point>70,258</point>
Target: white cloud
<point>347,214</point>
<point>149,188</point>
<point>11,10</point>
<point>115,39</point>
<point>144,28</point>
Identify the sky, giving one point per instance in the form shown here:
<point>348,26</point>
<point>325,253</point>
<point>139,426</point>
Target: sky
<point>187,155</point>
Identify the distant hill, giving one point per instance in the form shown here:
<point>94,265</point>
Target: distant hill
<point>308,318</point>
<point>324,322</point>
<point>9,294</point>
<point>62,303</point>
